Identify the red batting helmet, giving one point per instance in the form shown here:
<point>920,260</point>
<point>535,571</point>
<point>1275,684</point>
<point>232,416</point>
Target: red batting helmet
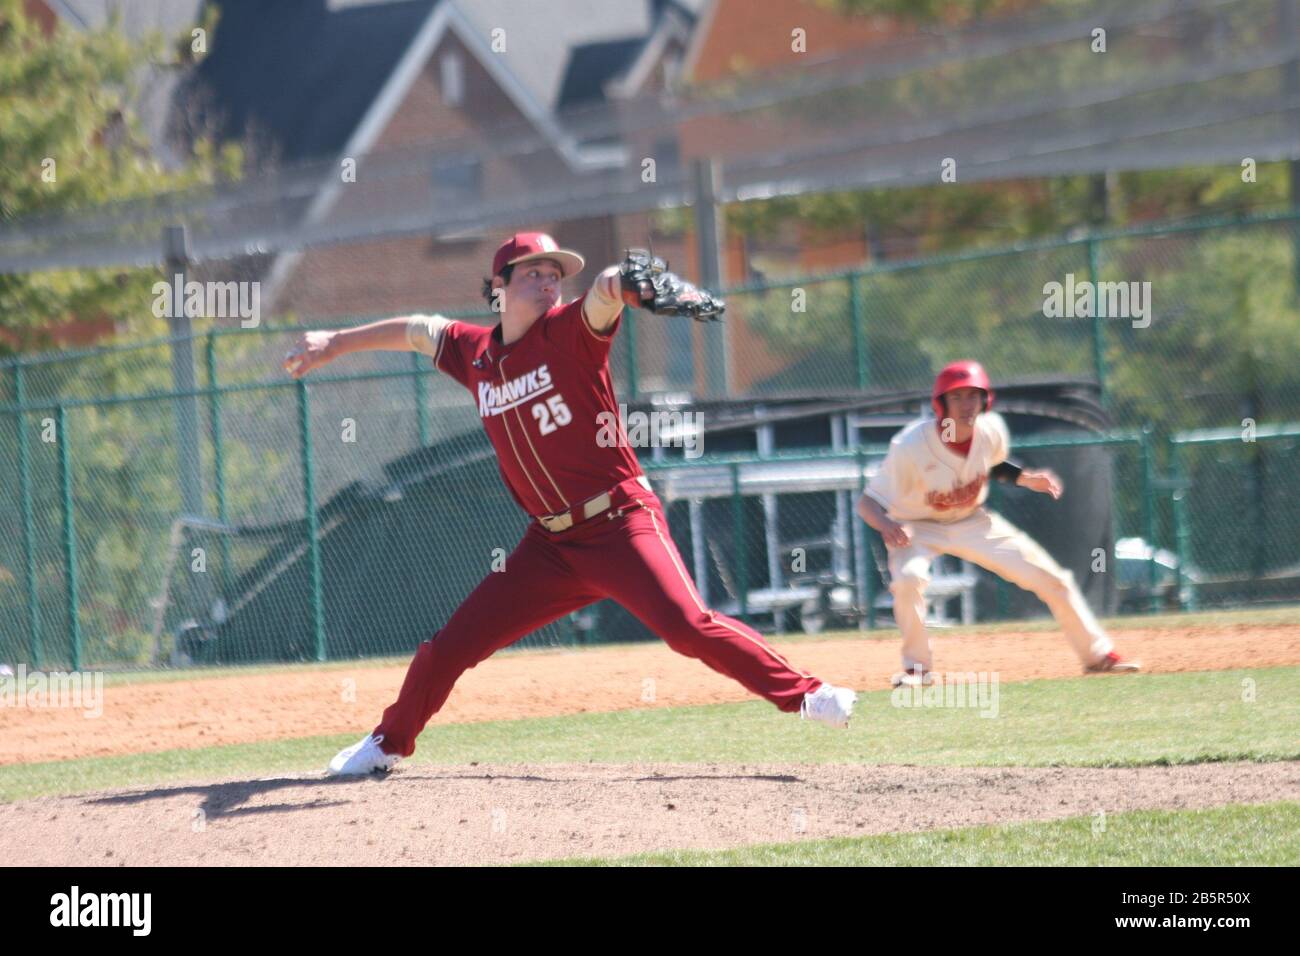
<point>962,374</point>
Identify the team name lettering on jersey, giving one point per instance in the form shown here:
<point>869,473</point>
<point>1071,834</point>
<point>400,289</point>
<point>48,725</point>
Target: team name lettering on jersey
<point>495,399</point>
<point>963,496</point>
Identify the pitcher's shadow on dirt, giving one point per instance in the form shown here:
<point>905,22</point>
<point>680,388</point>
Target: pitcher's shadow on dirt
<point>225,800</point>
<point>771,777</point>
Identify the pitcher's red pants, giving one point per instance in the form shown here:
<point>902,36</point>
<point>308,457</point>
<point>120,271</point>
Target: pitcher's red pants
<point>629,558</point>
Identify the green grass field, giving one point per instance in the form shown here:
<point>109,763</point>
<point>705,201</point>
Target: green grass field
<point>1120,721</point>
<point>1146,719</point>
<point>1264,835</point>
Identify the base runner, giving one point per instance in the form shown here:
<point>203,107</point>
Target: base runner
<point>928,499</point>
<point>542,385</point>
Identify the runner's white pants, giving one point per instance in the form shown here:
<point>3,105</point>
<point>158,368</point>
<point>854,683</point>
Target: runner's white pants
<point>992,542</point>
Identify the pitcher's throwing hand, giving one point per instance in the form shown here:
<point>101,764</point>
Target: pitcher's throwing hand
<point>310,352</point>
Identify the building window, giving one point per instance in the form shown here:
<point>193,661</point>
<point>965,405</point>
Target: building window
<point>453,78</point>
<point>671,70</point>
<point>667,156</point>
<point>458,179</point>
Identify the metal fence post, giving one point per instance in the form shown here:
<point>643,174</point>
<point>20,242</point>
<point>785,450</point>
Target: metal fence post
<point>629,335</point>
<point>69,536</point>
<point>706,174</point>
<point>29,523</point>
<point>421,412</point>
<point>1257,482</point>
<point>866,579</point>
<point>313,529</point>
<point>1182,543</point>
<point>1149,518</point>
<point>1098,324</point>
<point>218,459</point>
<point>861,361</point>
<point>185,404</point>
<point>742,556</point>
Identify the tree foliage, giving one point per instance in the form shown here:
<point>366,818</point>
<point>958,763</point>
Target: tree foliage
<point>948,216</point>
<point>69,140</point>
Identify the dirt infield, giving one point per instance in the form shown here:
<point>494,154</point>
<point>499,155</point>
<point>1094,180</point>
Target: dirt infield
<point>499,814</point>
<point>307,701</point>
<point>483,815</point>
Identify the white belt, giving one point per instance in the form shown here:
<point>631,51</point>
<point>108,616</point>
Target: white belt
<point>564,520</point>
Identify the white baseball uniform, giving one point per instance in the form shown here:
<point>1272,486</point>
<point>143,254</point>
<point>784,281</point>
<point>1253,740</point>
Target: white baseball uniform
<point>938,496</point>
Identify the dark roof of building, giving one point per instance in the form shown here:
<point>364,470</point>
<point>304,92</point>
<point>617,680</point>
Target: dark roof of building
<point>302,75</point>
<point>299,77</point>
<point>591,65</point>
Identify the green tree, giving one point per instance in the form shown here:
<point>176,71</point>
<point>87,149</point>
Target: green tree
<point>70,140</point>
<point>950,216</point>
<point>1222,343</point>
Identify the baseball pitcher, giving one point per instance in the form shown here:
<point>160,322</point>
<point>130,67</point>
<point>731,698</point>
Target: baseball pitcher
<point>928,499</point>
<point>540,379</point>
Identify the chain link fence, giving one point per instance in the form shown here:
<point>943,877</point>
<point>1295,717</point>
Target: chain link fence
<point>1183,326</point>
<point>1236,518</point>
<point>349,516</point>
<point>102,572</point>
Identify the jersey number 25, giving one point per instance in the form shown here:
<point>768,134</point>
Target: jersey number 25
<point>553,414</point>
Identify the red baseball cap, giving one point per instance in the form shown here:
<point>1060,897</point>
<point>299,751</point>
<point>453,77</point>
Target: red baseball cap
<point>526,246</point>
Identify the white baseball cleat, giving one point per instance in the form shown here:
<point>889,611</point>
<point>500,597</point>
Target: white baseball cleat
<point>362,758</point>
<point>831,705</point>
<point>912,677</point>
<point>1112,663</point>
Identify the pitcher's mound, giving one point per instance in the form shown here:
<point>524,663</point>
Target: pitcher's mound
<point>423,814</point>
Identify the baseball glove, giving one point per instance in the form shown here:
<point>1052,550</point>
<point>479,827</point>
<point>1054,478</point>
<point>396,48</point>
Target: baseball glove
<point>647,284</point>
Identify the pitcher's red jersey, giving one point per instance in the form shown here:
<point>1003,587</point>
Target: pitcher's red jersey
<point>541,400</point>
